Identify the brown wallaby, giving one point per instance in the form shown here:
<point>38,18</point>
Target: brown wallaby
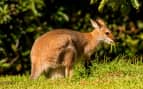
<point>61,48</point>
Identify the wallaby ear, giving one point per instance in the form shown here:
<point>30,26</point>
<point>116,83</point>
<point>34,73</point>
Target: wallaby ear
<point>100,22</point>
<point>94,24</point>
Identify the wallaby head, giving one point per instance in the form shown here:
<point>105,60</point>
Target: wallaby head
<point>101,32</point>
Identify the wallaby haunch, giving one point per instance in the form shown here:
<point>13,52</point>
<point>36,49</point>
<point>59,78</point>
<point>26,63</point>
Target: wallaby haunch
<point>59,49</point>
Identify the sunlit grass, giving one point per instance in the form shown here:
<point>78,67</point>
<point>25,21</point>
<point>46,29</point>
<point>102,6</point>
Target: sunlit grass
<point>118,74</point>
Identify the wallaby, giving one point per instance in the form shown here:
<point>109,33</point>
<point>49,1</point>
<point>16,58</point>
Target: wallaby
<point>61,48</point>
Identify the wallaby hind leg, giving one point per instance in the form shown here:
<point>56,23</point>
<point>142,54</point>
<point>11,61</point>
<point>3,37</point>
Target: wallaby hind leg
<point>35,71</point>
<point>69,61</point>
<point>68,71</point>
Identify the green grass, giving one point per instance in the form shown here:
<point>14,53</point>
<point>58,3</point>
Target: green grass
<point>118,74</point>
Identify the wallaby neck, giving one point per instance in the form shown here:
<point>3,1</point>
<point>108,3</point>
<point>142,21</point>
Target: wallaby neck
<point>92,38</point>
<point>91,43</point>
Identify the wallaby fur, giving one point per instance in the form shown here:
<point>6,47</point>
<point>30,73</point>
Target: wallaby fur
<point>59,49</point>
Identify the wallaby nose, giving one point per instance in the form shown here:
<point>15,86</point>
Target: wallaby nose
<point>113,38</point>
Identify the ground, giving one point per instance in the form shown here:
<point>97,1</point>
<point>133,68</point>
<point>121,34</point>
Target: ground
<point>118,74</point>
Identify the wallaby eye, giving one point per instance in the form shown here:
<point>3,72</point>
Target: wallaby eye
<point>107,33</point>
